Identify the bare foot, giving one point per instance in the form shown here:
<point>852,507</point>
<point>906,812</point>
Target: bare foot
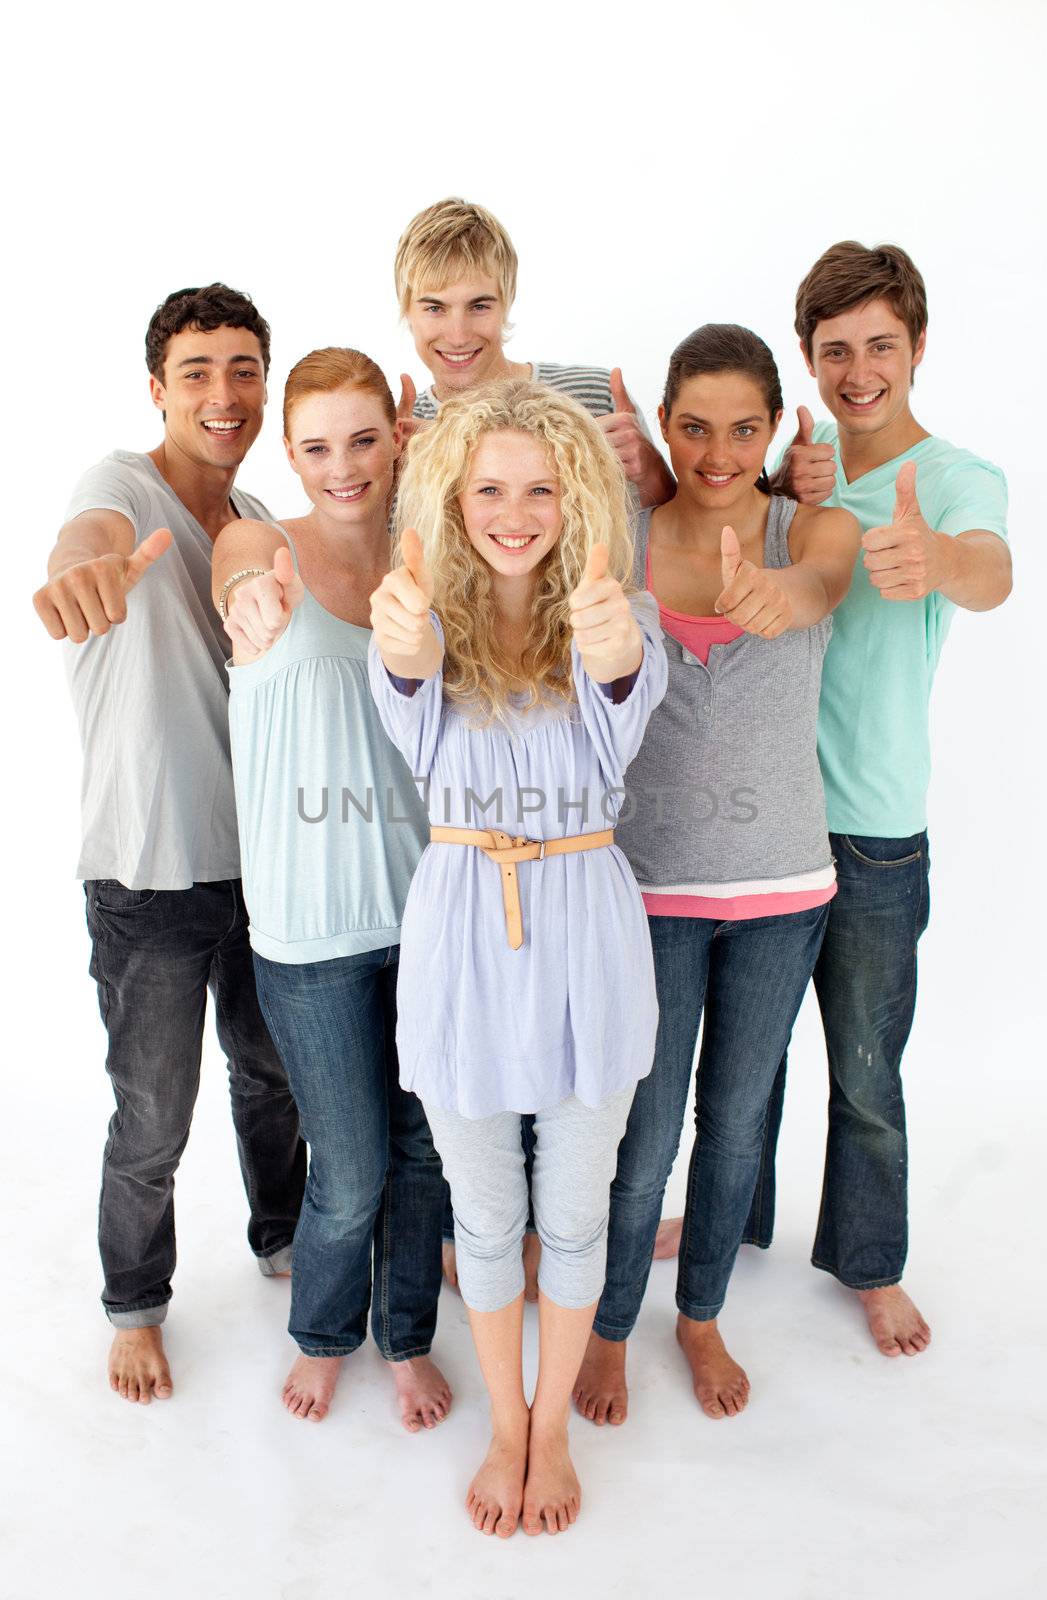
<point>532,1254</point>
<point>450,1264</point>
<point>720,1385</point>
<point>600,1392</point>
<point>894,1322</point>
<point>667,1239</point>
<point>496,1493</point>
<point>552,1493</point>
<point>310,1386</point>
<point>138,1368</point>
<point>422,1391</point>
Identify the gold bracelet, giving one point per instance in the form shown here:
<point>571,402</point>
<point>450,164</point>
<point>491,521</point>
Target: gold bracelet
<point>248,572</point>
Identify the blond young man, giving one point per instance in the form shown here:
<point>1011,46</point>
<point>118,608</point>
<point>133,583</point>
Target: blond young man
<point>456,282</point>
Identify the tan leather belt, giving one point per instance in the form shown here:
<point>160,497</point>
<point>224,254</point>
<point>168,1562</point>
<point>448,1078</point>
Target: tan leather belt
<point>506,851</point>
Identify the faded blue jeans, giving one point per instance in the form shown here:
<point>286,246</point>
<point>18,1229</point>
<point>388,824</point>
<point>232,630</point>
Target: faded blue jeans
<point>750,978</point>
<point>375,1187</point>
<point>865,980</point>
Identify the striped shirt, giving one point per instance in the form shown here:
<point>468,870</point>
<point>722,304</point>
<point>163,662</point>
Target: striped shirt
<point>590,386</point>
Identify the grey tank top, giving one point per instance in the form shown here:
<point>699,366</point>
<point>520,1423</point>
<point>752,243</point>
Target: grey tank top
<point>726,790</point>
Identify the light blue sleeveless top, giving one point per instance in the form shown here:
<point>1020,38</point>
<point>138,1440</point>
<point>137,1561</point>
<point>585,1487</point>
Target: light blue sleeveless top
<point>331,824</point>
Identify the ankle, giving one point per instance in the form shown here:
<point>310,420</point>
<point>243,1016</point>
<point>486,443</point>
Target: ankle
<point>549,1427</point>
<point>511,1422</point>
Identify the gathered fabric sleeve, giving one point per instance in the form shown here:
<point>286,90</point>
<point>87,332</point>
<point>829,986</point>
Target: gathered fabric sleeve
<point>410,712</point>
<point>617,729</point>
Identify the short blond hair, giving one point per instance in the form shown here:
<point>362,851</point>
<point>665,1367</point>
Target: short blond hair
<point>595,508</point>
<point>447,242</point>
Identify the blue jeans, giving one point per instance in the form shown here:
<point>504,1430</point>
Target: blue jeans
<point>155,953</point>
<point>375,1183</point>
<point>750,978</point>
<point>866,985</point>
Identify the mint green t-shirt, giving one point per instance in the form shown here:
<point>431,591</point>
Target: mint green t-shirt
<point>873,736</point>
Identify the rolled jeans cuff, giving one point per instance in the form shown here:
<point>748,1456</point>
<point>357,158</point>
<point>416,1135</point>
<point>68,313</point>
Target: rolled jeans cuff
<point>272,1266</point>
<point>147,1317</point>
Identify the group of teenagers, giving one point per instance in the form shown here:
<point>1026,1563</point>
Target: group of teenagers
<point>533,760</point>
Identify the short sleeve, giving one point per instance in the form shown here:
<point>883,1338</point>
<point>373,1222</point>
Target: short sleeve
<point>973,495</point>
<point>412,721</point>
<point>108,486</point>
<point>617,730</point>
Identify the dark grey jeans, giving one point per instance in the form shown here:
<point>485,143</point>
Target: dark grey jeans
<point>155,954</point>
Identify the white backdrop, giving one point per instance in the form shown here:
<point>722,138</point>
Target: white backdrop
<point>657,167</point>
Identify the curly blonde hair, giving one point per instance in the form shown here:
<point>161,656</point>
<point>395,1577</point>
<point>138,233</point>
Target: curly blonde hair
<point>595,508</point>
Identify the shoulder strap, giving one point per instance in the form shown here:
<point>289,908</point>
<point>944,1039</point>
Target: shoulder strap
<point>776,538</point>
<point>641,534</point>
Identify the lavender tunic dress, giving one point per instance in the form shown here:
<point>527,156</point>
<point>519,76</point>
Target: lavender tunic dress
<point>483,1028</point>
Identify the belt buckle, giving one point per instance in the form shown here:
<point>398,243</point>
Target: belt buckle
<point>541,848</point>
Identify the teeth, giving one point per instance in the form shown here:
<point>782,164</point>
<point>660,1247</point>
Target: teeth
<point>863,399</point>
<point>717,477</point>
<point>348,494</point>
<point>222,427</point>
<point>511,544</point>
<point>447,355</point>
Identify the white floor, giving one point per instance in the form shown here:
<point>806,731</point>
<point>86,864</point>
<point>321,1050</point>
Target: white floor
<point>849,1475</point>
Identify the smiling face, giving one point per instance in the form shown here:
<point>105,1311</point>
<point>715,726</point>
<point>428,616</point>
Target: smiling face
<point>863,363</point>
<point>458,332</point>
<point>718,433</point>
<point>510,503</point>
<point>213,394</point>
<point>344,448</point>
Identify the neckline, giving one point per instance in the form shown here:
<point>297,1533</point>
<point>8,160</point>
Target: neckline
<point>687,616</point>
<point>198,526</point>
<point>343,622</point>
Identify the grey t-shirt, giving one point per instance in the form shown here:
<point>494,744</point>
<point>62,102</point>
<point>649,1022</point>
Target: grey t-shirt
<point>151,700</point>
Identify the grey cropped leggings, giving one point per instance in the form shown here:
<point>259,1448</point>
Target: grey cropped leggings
<point>576,1154</point>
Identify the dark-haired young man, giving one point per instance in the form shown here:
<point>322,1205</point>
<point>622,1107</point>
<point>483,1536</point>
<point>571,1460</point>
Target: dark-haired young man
<point>160,860</point>
<point>934,523</point>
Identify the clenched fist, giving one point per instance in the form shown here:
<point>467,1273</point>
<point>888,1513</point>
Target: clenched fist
<point>91,596</point>
<point>260,608</point>
<point>752,597</point>
<point>906,560</point>
<point>605,630</point>
<point>400,614</point>
<point>808,470</point>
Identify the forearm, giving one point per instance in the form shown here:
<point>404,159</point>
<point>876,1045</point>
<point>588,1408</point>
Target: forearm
<point>808,593</point>
<point>655,484</point>
<point>424,663</point>
<point>86,538</point>
<point>978,570</point>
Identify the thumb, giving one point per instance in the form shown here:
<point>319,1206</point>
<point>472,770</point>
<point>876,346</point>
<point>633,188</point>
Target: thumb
<point>905,502</point>
<point>408,396</point>
<point>287,577</point>
<point>730,556</point>
<point>139,562</point>
<point>619,394</point>
<point>412,555</point>
<point>805,432</point>
<point>596,566</point>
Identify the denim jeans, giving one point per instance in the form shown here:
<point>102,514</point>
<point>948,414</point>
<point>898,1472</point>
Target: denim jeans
<point>866,985</point>
<point>155,953</point>
<point>375,1183</point>
<point>750,978</point>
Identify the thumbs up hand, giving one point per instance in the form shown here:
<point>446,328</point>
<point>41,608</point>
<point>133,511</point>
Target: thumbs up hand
<point>409,423</point>
<point>605,630</point>
<point>91,596</point>
<point>642,464</point>
<point>259,609</point>
<point>808,470</point>
<point>400,606</point>
<point>907,560</point>
<point>752,597</point>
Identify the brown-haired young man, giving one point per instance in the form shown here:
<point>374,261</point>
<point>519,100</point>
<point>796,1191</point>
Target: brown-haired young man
<point>934,523</point>
<point>160,858</point>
